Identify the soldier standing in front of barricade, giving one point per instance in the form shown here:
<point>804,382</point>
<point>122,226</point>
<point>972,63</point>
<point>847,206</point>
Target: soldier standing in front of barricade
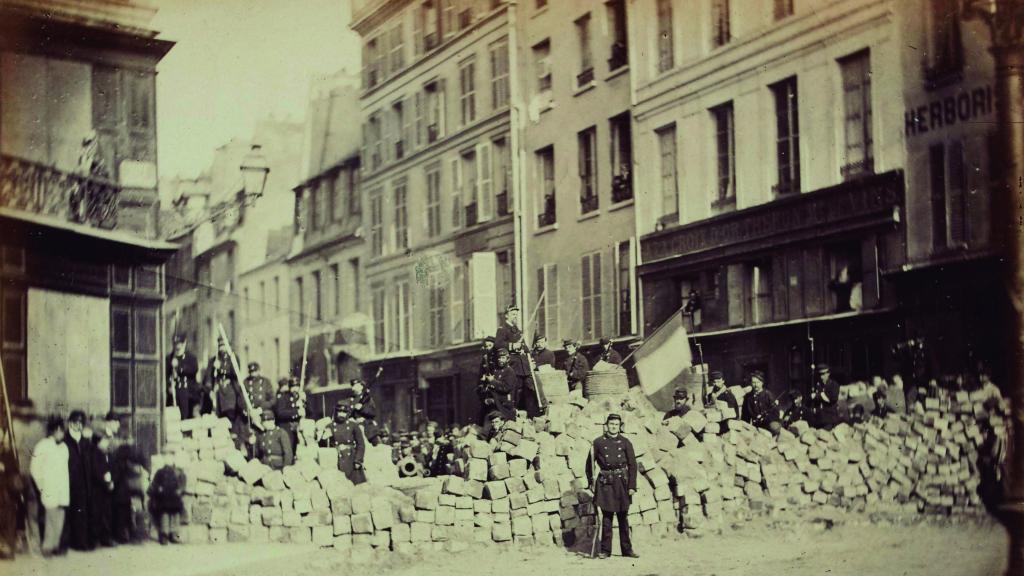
<point>488,372</point>
<point>576,365</point>
<point>347,436</point>
<point>290,408</point>
<point>504,387</point>
<point>759,406</point>
<point>510,338</point>
<point>273,446</point>
<point>227,394</point>
<point>182,368</point>
<point>614,485</point>
<point>824,399</point>
<point>219,369</point>
<point>260,391</point>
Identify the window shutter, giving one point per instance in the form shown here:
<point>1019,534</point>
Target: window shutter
<point>484,184</point>
<point>553,299</point>
<point>419,119</point>
<point>417,29</point>
<point>585,292</point>
<point>456,164</point>
<point>734,283</point>
<point>483,270</point>
<point>457,304</point>
<point>442,110</point>
<point>407,128</point>
<point>542,316</point>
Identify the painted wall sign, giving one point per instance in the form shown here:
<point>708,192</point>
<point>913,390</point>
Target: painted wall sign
<point>967,106</point>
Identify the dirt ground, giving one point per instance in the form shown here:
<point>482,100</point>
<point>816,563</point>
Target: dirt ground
<point>851,547</point>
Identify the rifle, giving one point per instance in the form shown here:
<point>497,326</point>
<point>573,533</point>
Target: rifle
<point>174,374</point>
<point>234,364</point>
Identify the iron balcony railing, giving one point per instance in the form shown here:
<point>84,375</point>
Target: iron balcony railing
<point>41,189</point>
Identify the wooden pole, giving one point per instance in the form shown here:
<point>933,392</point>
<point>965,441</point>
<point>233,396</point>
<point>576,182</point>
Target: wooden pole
<point>7,414</point>
<point>234,364</point>
<point>305,351</point>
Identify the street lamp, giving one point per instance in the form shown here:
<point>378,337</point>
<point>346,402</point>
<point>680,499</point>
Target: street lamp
<point>1005,21</point>
<point>254,172</point>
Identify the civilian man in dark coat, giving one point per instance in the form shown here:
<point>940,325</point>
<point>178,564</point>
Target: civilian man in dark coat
<point>608,354</point>
<point>576,365</point>
<point>505,387</point>
<point>101,499</point>
<point>80,451</point>
<point>182,389</point>
<point>615,484</point>
<point>824,399</point>
<point>541,355</point>
<point>759,406</point>
<point>682,404</point>
<point>718,392</point>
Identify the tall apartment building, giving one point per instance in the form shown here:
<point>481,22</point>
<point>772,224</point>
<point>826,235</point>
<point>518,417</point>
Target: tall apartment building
<point>578,149</point>
<point>438,180</point>
<point>771,192</point>
<point>81,273</point>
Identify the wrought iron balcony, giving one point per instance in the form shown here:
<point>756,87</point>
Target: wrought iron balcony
<point>33,187</point>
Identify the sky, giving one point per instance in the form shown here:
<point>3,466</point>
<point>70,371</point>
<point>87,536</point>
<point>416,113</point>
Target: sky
<point>237,62</point>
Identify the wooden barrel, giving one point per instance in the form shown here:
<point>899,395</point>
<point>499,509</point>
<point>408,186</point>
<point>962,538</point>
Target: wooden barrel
<point>554,386</point>
<point>606,384</point>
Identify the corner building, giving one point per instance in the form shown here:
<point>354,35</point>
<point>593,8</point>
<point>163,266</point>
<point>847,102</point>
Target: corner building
<point>436,172</point>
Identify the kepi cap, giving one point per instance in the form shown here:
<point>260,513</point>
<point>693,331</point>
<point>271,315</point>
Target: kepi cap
<point>613,416</point>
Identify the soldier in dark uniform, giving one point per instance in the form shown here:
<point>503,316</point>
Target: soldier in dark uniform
<point>541,355</point>
<point>165,502</point>
<point>615,484</point>
<point>510,338</point>
<point>231,405</point>
<point>347,436</point>
<point>608,354</point>
<point>824,399</point>
<point>682,404</point>
<point>717,391</point>
<point>101,491</point>
<point>273,447</point>
<point>76,523</point>
<point>759,406</point>
<point>576,365</point>
<point>505,387</point>
<point>260,391</point>
<point>182,389</point>
<point>290,408</point>
<point>219,369</point>
<point>364,410</point>
<point>488,372</point>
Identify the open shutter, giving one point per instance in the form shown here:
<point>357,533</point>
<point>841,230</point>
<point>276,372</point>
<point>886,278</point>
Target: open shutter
<point>456,200</point>
<point>407,127</point>
<point>419,119</point>
<point>734,286</point>
<point>442,109</point>
<point>552,299</point>
<point>596,288</point>
<point>417,29</point>
<point>484,182</point>
<point>483,270</point>
<point>458,299</point>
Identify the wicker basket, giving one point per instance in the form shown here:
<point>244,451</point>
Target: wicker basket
<point>606,384</point>
<point>554,386</point>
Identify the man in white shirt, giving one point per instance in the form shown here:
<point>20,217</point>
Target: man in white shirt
<point>50,472</point>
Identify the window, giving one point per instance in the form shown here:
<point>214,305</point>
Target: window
<point>435,110</point>
<point>469,172</point>
<point>434,201</point>
<point>449,21</point>
<point>458,304</point>
<point>378,319</point>
<point>502,174</point>
<point>506,272</point>
<point>300,301</point>
<point>371,70</point>
<point>590,267</point>
<point>759,292</point>
<point>484,182</point>
<point>587,142</point>
<point>355,201</point>
<point>277,293</point>
<point>845,276</point>
<point>14,339</point>
<point>946,57</point>
<point>336,288</point>
<point>669,179</point>
<point>787,137</point>
<point>624,286</point>
<point>399,334</point>
<point>435,316</point>
<point>621,157</point>
<point>542,65</point>
<point>725,151</point>
<point>856,73</point>
<point>396,52</point>
<point>456,188</point>
<point>948,195</point>
<point>499,74</point>
<point>318,294</point>
<point>399,117</point>
<point>693,319</point>
<point>248,302</point>
<point>546,175</point>
<point>354,284</point>
<point>619,55</point>
<point>547,301</point>
<point>586,74</point>
<point>374,141</point>
<point>720,32</point>
<point>338,199</point>
<point>401,216</point>
<point>323,203</point>
<point>783,8</point>
<point>263,297</point>
<point>376,223</point>
<point>467,91</point>
<point>314,206</point>
<point>666,33</point>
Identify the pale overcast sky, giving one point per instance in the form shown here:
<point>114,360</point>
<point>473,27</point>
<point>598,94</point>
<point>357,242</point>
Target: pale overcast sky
<point>236,62</point>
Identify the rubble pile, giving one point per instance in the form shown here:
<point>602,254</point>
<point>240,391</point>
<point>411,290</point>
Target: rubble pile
<point>528,484</point>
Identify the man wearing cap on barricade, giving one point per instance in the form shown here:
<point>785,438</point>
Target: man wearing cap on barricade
<point>504,388</point>
<point>759,406</point>
<point>364,409</point>
<point>614,484</point>
<point>273,447</point>
<point>347,436</point>
<point>488,372</point>
<point>607,353</point>
<point>290,408</point>
<point>576,365</point>
<point>542,356</point>
<point>260,391</point>
<point>824,399</point>
<point>510,338</point>
<point>181,369</point>
<point>718,392</point>
<point>682,402</point>
<point>219,373</point>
